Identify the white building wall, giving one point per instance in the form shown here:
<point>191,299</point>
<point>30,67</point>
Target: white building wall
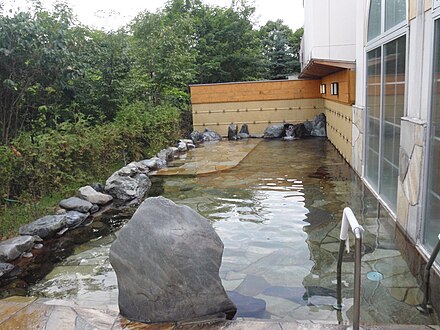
<point>329,30</point>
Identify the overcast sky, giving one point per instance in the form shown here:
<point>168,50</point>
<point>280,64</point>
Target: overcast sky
<point>111,14</point>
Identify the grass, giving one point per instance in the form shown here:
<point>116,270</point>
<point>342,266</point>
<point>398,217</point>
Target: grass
<point>14,214</point>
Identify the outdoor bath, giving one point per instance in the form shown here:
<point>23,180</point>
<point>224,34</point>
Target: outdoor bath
<point>278,213</point>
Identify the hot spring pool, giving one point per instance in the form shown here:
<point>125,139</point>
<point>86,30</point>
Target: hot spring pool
<point>278,213</point>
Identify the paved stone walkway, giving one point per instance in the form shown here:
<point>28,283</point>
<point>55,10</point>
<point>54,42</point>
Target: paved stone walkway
<point>211,157</point>
<point>27,313</point>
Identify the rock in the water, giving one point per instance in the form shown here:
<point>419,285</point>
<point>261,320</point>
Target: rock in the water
<point>5,268</point>
<point>167,260</point>
<point>181,146</point>
<point>45,227</point>
<point>76,204</point>
<point>166,154</point>
<point>274,131</point>
<point>209,136</point>
<point>75,218</point>
<point>319,125</point>
<point>196,137</point>
<point>308,126</point>
<point>91,195</point>
<point>12,248</point>
<point>300,131</point>
<point>248,306</point>
<point>244,129</point>
<point>153,164</point>
<point>127,184</point>
<point>233,132</point>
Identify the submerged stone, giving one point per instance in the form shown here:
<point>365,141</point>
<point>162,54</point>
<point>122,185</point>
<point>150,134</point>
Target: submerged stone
<point>167,261</point>
<point>248,306</point>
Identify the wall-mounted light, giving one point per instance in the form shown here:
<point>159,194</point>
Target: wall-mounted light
<point>334,88</point>
<point>322,88</point>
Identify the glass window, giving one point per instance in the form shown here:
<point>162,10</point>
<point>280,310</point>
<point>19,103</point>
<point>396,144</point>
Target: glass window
<point>374,19</point>
<point>395,12</point>
<point>432,224</point>
<point>374,60</point>
<point>393,110</point>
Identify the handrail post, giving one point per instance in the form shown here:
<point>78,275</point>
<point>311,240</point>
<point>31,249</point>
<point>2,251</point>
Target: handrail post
<point>357,278</point>
<point>426,306</point>
<point>349,220</point>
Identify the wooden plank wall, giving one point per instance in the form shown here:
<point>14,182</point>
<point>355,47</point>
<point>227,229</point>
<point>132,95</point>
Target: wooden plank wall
<point>255,91</point>
<point>347,86</point>
<point>260,104</point>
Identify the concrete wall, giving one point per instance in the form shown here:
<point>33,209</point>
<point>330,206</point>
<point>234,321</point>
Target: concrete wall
<point>329,32</point>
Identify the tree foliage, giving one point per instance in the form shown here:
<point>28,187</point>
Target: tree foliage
<point>74,100</point>
<point>281,49</point>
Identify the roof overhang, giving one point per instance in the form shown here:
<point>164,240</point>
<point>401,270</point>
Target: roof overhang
<point>318,68</point>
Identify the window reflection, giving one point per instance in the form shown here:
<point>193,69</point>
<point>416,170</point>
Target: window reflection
<point>432,224</point>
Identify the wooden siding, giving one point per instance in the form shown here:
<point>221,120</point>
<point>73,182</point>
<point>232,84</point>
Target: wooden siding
<point>347,86</point>
<point>255,91</point>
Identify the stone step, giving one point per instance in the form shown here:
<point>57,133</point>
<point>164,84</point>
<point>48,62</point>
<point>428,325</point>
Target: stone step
<point>29,313</point>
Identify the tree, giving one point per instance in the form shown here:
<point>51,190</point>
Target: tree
<point>227,46</point>
<point>281,49</point>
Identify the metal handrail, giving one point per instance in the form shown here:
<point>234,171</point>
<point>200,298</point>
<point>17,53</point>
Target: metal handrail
<point>349,221</point>
<point>426,306</point>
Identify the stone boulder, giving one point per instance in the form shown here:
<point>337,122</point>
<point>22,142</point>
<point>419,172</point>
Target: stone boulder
<point>75,219</point>
<point>12,248</point>
<point>167,261</point>
<point>127,184</point>
<point>233,132</point>
<point>76,204</point>
<point>152,164</point>
<point>45,226</point>
<point>319,125</point>
<point>91,195</point>
<point>167,154</point>
<point>274,131</point>
<point>209,136</point>
<point>244,132</point>
<point>5,268</point>
<point>196,137</point>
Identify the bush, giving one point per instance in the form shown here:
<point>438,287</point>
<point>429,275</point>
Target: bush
<point>76,153</point>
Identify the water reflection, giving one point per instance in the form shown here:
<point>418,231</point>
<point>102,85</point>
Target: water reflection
<point>278,214</point>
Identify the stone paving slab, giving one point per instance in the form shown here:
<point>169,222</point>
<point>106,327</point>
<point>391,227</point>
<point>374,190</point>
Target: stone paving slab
<point>28,314</point>
<point>211,157</point>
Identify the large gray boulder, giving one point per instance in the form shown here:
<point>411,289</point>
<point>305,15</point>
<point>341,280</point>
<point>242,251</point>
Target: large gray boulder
<point>12,248</point>
<point>319,125</point>
<point>127,184</point>
<point>45,226</point>
<point>274,131</point>
<point>209,135</point>
<point>167,261</point>
<point>91,195</point>
<point>76,204</point>
<point>233,132</point>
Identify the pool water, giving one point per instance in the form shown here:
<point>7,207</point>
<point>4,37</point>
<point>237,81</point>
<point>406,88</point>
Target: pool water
<point>278,214</point>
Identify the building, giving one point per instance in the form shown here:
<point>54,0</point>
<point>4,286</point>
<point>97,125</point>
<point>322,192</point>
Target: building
<point>393,48</point>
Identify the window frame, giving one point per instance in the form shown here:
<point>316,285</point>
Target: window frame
<point>428,145</point>
<point>386,36</point>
